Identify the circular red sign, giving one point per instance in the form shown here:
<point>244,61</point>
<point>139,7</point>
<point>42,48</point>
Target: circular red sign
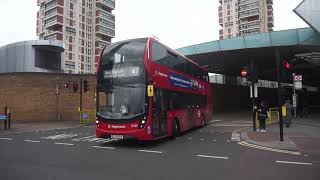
<point>244,72</point>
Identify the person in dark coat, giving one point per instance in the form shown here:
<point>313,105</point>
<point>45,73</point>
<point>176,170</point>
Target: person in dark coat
<point>288,117</point>
<point>262,116</point>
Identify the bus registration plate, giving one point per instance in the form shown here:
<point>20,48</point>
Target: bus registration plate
<point>116,136</point>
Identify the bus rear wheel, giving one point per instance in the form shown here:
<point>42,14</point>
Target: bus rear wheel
<point>175,129</point>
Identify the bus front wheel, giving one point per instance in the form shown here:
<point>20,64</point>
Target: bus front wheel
<point>175,129</point>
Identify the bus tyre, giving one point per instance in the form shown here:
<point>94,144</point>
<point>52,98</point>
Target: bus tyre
<point>203,121</point>
<point>175,129</point>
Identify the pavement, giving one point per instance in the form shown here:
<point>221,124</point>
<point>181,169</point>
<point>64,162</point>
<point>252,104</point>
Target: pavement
<point>303,136</point>
<point>21,127</point>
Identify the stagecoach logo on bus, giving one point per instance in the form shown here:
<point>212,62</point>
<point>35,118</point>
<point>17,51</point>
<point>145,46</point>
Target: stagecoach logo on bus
<point>181,81</point>
<point>158,73</point>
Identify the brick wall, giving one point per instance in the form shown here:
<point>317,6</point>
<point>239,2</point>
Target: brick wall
<point>43,97</point>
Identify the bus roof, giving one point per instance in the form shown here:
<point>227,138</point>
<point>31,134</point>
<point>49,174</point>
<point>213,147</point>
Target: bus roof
<point>178,53</point>
<point>157,40</point>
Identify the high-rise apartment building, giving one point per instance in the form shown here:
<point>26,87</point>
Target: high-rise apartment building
<point>84,27</point>
<point>240,17</point>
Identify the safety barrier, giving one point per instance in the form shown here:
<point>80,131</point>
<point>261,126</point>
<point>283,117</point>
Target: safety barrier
<point>87,116</point>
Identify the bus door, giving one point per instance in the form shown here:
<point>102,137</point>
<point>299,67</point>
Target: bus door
<point>190,116</point>
<point>159,113</point>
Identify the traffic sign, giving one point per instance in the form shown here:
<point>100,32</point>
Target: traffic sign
<point>244,72</point>
<point>298,82</point>
<point>298,78</point>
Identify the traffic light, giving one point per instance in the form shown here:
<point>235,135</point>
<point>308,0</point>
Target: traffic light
<point>244,72</point>
<point>287,70</point>
<point>66,85</point>
<point>287,65</point>
<point>85,85</point>
<point>75,87</point>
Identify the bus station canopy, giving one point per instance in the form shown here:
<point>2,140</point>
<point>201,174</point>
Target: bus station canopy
<point>301,47</point>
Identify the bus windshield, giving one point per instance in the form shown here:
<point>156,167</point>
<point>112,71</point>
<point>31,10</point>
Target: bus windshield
<point>122,102</point>
<point>121,81</point>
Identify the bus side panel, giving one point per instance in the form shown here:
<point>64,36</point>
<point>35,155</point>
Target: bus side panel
<point>181,115</point>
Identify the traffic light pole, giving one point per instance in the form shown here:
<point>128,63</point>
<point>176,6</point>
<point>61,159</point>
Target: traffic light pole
<point>252,74</point>
<point>279,74</point>
<point>80,95</point>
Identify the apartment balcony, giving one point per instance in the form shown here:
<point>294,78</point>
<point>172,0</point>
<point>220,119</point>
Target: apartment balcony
<point>246,2</point>
<point>104,31</point>
<point>269,1</point>
<point>221,21</point>
<point>105,16</point>
<point>249,27</point>
<point>110,4</point>
<point>244,8</point>
<point>105,23</point>
<point>55,35</point>
<point>248,14</point>
<point>53,23</point>
<point>250,31</point>
<point>270,22</point>
<point>50,5</point>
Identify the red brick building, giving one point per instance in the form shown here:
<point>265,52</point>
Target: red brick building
<point>43,97</point>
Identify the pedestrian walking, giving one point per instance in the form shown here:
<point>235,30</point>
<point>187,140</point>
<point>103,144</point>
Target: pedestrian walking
<point>288,117</point>
<point>262,116</point>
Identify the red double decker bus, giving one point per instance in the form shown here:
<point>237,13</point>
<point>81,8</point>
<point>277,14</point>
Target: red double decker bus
<point>148,91</point>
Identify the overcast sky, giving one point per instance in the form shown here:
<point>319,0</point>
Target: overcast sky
<point>177,23</point>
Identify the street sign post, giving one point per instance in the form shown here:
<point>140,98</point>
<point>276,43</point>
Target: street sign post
<point>298,82</point>
<point>255,91</point>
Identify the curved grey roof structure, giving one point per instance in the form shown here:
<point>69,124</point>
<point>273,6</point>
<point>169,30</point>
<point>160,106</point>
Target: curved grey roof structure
<point>31,56</point>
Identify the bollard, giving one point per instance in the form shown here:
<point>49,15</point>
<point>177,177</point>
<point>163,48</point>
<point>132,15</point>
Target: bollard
<point>9,120</point>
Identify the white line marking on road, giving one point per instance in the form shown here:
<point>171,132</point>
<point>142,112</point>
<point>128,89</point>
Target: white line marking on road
<point>230,125</point>
<point>228,141</point>
<point>94,139</point>
<point>215,157</point>
<point>214,121</point>
<point>31,141</point>
<point>60,136</point>
<point>235,136</point>
<point>103,147</point>
<point>268,148</point>
<point>214,140</point>
<point>158,152</point>
<point>84,138</point>
<point>67,144</point>
<point>9,139</point>
<point>288,162</point>
<point>189,138</point>
<point>201,139</point>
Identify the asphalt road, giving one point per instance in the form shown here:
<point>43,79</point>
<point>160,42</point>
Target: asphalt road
<point>207,153</point>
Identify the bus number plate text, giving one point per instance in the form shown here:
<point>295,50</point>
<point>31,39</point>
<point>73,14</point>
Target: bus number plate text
<point>116,136</point>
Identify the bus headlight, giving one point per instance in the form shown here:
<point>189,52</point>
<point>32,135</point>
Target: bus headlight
<point>143,122</point>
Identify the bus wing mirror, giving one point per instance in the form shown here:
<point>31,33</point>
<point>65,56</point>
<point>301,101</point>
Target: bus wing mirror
<point>150,90</point>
